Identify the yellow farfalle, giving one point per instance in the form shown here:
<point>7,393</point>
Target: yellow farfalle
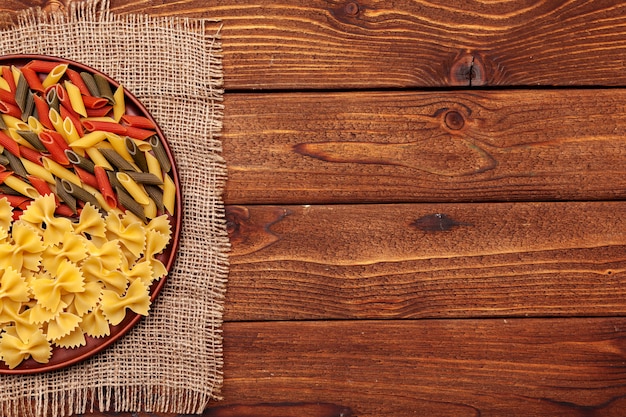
<point>137,299</point>
<point>27,247</point>
<point>62,325</point>
<point>95,324</point>
<point>14,349</point>
<point>40,214</point>
<point>132,237</point>
<point>6,214</point>
<point>13,287</point>
<point>72,340</point>
<point>61,281</point>
<point>72,248</point>
<point>90,222</point>
<point>68,279</point>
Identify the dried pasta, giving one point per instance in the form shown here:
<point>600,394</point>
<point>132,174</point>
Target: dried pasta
<point>86,200</point>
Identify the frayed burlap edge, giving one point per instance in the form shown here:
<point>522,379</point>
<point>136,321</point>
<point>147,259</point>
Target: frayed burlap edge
<point>99,395</point>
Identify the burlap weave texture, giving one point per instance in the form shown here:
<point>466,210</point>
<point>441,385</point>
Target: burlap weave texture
<point>171,361</point>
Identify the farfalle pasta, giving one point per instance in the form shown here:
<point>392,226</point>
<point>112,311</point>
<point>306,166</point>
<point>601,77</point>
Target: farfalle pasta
<point>76,281</point>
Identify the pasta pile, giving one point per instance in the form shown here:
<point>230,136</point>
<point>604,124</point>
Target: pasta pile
<point>86,198</point>
<point>61,280</point>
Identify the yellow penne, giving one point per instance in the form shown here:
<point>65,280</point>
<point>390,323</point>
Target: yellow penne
<point>142,145</point>
<point>35,125</point>
<point>150,209</point>
<point>71,134</point>
<point>14,122</point>
<point>54,76</point>
<point>37,170</point>
<point>119,106</point>
<point>169,194</point>
<point>135,190</point>
<point>99,119</point>
<point>98,159</point>
<point>16,73</point>
<point>4,84</point>
<point>21,187</point>
<point>19,139</point>
<point>59,171</point>
<point>154,167</point>
<point>119,144</point>
<point>76,99</point>
<point>90,139</point>
<point>57,122</point>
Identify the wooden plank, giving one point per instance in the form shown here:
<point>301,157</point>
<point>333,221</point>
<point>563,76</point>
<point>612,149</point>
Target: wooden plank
<point>425,146</point>
<point>426,260</point>
<point>304,44</point>
<point>512,367</point>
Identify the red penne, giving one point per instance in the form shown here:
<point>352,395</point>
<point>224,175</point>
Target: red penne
<point>7,74</point>
<point>93,125</point>
<point>43,111</point>
<point>10,109</point>
<point>41,66</point>
<point>138,121</point>
<point>9,144</point>
<point>57,137</point>
<point>92,102</point>
<point>76,79</point>
<point>7,96</point>
<point>74,117</point>
<point>101,112</point>
<point>40,185</point>
<point>55,147</point>
<point>86,177</point>
<point>4,175</point>
<point>63,210</point>
<point>136,133</point>
<point>32,79</point>
<point>30,154</point>
<point>16,201</point>
<point>105,186</point>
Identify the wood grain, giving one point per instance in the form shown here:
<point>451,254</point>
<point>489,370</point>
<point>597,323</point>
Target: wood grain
<point>313,44</point>
<point>512,367</point>
<point>351,147</point>
<point>426,260</point>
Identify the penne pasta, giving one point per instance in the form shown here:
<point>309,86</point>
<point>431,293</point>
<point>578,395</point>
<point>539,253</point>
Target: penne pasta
<point>32,138</point>
<point>90,83</point>
<point>104,88</point>
<point>76,100</point>
<point>104,185</point>
<point>10,110</point>
<point>64,196</point>
<point>21,186</point>
<point>160,154</point>
<point>129,203</point>
<point>119,105</point>
<point>154,167</point>
<point>69,128</point>
<point>119,144</point>
<point>80,161</point>
<point>59,171</point>
<point>89,140</point>
<point>36,170</point>
<point>56,149</point>
<point>32,79</point>
<point>136,191</point>
<point>138,156</point>
<point>144,178</point>
<point>15,163</point>
<point>169,194</point>
<point>54,75</point>
<point>98,159</point>
<point>76,79</point>
<point>21,92</point>
<point>115,159</point>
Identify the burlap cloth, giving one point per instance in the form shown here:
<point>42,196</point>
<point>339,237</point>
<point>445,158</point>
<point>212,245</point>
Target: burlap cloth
<point>171,361</point>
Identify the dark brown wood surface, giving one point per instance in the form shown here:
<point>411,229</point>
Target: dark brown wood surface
<point>426,206</point>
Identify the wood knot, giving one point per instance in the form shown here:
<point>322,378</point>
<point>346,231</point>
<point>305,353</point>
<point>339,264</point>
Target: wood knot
<point>454,120</point>
<point>55,5</point>
<point>467,69</point>
<point>351,9</point>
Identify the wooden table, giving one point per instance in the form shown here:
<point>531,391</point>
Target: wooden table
<point>426,206</point>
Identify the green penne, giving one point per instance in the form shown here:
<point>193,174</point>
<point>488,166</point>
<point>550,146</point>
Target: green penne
<point>116,159</point>
<point>90,82</point>
<point>21,92</point>
<point>80,193</point>
<point>32,138</point>
<point>79,161</point>
<point>129,203</point>
<point>64,196</point>
<point>160,154</point>
<point>138,156</point>
<point>104,88</point>
<point>15,164</point>
<point>144,178</point>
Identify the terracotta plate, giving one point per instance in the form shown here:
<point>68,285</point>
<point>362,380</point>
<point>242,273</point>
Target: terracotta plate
<point>62,357</point>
